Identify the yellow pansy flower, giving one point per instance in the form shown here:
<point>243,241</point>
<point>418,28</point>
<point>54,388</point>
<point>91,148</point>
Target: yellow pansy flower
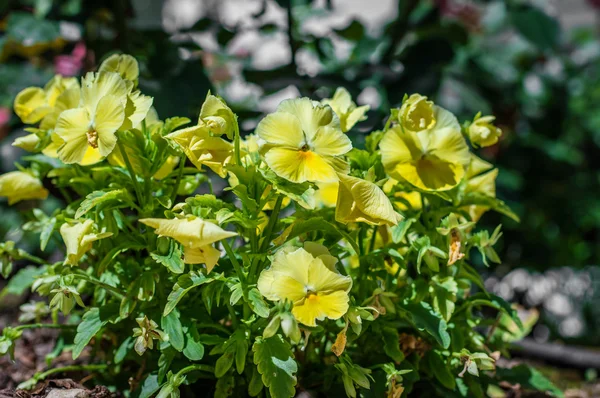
<point>196,235</point>
<point>482,131</point>
<point>94,124</point>
<point>19,185</point>
<point>343,106</point>
<point>433,159</point>
<point>123,64</point>
<point>417,113</point>
<point>78,239</point>
<point>307,277</point>
<point>304,141</point>
<point>362,201</point>
<point>91,155</point>
<point>217,116</point>
<point>136,110</point>
<point>34,103</point>
<point>203,149</point>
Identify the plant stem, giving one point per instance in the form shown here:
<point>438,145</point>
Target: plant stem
<point>373,239</point>
<point>272,221</point>
<point>178,180</point>
<point>235,263</point>
<point>45,326</point>
<point>136,187</point>
<point>191,368</point>
<point>213,326</point>
<point>71,368</point>
<point>116,292</point>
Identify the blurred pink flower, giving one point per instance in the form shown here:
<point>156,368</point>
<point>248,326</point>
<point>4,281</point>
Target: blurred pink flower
<point>594,3</point>
<point>70,65</point>
<point>4,116</point>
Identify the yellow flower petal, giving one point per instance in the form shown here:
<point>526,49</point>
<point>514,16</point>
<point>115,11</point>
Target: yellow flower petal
<point>483,183</point>
<point>417,113</point>
<point>78,239</point>
<point>109,116</point>
<point>300,166</point>
<point>123,64</point>
<point>31,106</point>
<point>281,129</point>
<point>72,127</point>
<point>316,290</point>
<point>136,110</point>
<point>433,159</point>
<point>310,114</point>
<point>203,149</point>
<point>96,86</point>
<point>57,86</point>
<point>320,306</point>
<point>207,255</point>
<point>478,166</point>
<point>362,201</point>
<point>191,232</point>
<point>69,99</point>
<point>346,110</point>
<point>18,185</point>
<point>219,118</point>
<point>330,141</point>
<point>167,167</point>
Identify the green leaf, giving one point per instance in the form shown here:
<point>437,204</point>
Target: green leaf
<point>224,387</point>
<point>440,370</point>
<point>194,350</point>
<point>354,31</point>
<point>528,378</point>
<point>258,305</point>
<point>184,284</point>
<point>320,224</point>
<point>149,386</point>
<point>91,323</point>
<point>173,260</point>
<point>391,344</point>
<point>276,364</point>
<point>225,361</point>
<point>21,281</point>
<point>172,326</point>
<point>425,318</point>
<point>123,349</point>
<point>101,199</point>
<point>536,26</point>
<point>46,233</point>
<point>255,385</point>
<point>399,231</point>
<point>303,194</point>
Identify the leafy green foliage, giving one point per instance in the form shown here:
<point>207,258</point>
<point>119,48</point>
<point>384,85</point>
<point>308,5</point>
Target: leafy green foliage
<point>274,361</point>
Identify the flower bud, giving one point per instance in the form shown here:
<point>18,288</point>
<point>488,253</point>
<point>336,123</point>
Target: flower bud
<point>482,132</point>
<point>272,327</point>
<point>416,113</point>
<point>290,328</point>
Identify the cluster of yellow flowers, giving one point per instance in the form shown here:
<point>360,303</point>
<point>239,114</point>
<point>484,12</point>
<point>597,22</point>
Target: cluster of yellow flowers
<point>302,141</point>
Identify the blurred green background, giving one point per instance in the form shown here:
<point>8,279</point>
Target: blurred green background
<point>533,64</point>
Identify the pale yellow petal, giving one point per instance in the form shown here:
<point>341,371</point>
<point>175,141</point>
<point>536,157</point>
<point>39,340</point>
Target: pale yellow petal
<point>320,306</point>
<point>27,142</point>
<point>483,183</point>
<point>31,106</point>
<point>327,193</point>
<point>72,236</point>
<point>96,86</point>
<point>123,64</point>
<point>323,280</point>
<point>136,110</point>
<point>311,114</point>
<point>71,127</point>
<point>207,255</point>
<point>281,129</point>
<point>191,232</point>
<point>477,166</point>
<point>300,166</point>
<point>399,147</point>
<point>109,116</point>
<point>330,141</point>
<point>91,156</point>
<point>18,185</point>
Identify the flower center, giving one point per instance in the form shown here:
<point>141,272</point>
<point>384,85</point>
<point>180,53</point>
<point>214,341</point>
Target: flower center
<point>305,148</point>
<point>312,297</point>
<point>92,138</point>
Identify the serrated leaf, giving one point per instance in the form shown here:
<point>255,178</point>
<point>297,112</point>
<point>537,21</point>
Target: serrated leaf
<point>496,302</point>
<point>255,385</point>
<point>100,199</point>
<point>425,318</point>
<point>480,199</point>
<point>171,325</point>
<point>184,284</point>
<point>91,323</point>
<point>275,362</point>
<point>194,350</point>
<point>528,378</point>
<point>440,370</point>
